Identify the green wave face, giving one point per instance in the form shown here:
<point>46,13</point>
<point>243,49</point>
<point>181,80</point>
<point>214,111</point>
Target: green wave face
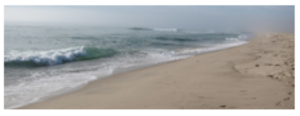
<point>91,53</point>
<point>94,53</point>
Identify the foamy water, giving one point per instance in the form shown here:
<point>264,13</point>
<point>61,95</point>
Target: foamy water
<point>51,57</point>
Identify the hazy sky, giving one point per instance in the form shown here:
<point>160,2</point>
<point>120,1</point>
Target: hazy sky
<point>203,17</point>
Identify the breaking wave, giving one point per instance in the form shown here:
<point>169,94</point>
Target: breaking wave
<point>54,57</point>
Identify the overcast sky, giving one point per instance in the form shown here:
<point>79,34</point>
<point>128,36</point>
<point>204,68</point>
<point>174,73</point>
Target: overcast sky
<point>279,18</point>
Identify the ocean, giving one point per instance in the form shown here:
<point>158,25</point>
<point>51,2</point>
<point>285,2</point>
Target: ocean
<point>44,61</point>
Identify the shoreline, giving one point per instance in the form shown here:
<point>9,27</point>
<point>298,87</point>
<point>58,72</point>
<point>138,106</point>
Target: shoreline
<point>183,83</point>
<point>114,72</point>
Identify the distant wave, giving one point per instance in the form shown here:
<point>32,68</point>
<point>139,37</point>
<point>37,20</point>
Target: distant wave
<point>154,29</point>
<point>209,49</point>
<point>239,38</point>
<point>139,28</point>
<point>54,57</point>
<point>176,39</point>
<point>167,29</point>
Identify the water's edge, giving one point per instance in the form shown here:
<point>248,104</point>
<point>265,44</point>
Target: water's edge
<point>115,72</point>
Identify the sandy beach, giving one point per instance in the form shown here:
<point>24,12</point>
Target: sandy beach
<point>257,75</point>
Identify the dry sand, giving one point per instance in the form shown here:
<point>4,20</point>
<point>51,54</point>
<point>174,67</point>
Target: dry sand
<point>257,75</point>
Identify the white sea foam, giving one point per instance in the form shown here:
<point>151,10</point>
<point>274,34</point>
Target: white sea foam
<point>166,29</point>
<point>209,49</point>
<point>239,38</point>
<point>51,57</point>
<point>146,57</point>
<point>229,42</point>
<point>40,86</point>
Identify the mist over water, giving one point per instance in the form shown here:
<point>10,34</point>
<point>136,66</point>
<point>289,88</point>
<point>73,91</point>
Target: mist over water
<point>247,18</point>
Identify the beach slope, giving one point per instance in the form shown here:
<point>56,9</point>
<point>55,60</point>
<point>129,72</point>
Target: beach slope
<point>258,75</point>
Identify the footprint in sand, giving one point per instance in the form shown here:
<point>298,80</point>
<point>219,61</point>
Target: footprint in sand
<point>222,106</point>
